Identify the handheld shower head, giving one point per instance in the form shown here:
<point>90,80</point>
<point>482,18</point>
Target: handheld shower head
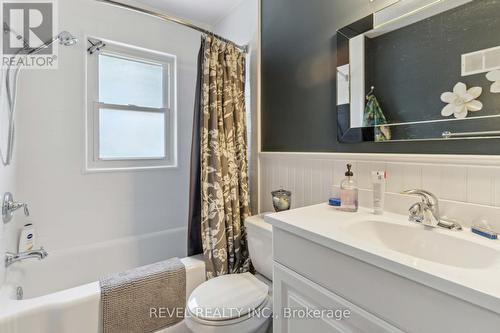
<point>66,39</point>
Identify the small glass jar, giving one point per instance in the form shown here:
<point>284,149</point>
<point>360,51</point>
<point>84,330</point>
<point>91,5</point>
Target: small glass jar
<point>282,200</point>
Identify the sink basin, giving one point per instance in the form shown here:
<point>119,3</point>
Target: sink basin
<point>424,243</point>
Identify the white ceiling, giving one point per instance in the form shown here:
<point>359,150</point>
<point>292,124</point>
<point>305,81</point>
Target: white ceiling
<point>206,12</point>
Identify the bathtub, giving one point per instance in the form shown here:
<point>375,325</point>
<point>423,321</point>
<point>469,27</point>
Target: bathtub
<point>62,293</point>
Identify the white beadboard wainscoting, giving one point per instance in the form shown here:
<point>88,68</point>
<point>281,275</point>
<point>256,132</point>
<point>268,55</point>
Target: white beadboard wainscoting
<point>471,180</point>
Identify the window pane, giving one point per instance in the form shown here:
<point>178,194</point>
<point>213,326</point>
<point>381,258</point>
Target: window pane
<point>131,134</point>
<point>124,81</point>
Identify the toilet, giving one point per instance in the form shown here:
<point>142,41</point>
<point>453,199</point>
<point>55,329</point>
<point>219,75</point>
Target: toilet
<point>239,302</point>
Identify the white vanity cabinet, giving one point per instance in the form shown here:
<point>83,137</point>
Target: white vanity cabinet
<point>313,276</point>
<point>304,308</point>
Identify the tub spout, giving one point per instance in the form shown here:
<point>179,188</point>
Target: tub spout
<point>11,258</point>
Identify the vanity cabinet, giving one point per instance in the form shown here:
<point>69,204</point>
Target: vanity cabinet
<point>304,305</point>
<point>308,276</point>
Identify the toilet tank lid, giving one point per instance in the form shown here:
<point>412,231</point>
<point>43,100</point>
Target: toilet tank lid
<point>259,222</point>
<point>227,297</point>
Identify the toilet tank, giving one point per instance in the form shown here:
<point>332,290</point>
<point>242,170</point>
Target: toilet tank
<point>260,244</point>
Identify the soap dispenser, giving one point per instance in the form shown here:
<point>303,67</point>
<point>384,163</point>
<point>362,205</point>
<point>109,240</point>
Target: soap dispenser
<point>349,192</point>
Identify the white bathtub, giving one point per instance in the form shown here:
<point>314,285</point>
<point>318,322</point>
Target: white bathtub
<point>62,295</point>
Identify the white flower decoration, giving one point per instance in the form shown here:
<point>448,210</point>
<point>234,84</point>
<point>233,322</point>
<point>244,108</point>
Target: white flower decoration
<point>461,101</point>
<point>494,76</point>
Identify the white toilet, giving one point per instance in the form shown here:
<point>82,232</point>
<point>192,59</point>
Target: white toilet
<point>238,303</point>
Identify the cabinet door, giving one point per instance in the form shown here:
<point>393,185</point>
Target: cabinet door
<point>302,306</point>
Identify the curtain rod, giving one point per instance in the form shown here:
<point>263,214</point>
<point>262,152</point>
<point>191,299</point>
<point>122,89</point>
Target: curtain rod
<point>165,17</point>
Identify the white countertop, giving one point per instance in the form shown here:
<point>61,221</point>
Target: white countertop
<point>328,227</point>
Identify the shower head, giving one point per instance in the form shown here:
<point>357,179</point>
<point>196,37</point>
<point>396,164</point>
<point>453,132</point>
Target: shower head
<point>67,39</point>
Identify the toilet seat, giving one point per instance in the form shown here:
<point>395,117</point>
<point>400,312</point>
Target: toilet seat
<point>228,299</point>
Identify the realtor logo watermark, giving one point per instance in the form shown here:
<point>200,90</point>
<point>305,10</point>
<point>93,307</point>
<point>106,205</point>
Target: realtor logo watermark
<point>28,31</point>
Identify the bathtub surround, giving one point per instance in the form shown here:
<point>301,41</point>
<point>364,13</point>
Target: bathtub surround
<point>109,221</point>
<point>8,175</point>
<point>224,165</point>
<point>11,77</point>
<point>94,209</point>
<point>160,285</point>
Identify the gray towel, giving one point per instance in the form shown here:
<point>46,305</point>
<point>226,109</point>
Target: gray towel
<point>144,299</point>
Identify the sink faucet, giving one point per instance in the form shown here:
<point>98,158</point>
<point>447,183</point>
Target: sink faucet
<point>427,211</point>
<point>11,258</point>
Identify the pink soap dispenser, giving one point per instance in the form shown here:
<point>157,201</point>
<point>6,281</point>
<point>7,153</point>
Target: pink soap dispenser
<point>349,192</point>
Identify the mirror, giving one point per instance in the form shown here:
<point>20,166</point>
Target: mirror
<point>420,70</point>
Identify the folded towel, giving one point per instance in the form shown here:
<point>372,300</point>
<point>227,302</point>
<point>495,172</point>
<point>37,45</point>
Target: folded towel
<point>144,299</point>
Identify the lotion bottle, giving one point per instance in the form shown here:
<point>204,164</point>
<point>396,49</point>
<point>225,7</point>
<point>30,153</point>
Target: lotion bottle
<point>378,181</point>
<point>27,238</point>
<point>349,192</point>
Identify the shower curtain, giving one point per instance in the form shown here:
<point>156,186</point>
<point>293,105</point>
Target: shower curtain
<point>223,163</point>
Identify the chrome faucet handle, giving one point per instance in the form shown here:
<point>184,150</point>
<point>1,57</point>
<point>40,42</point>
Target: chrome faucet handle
<point>26,210</point>
<point>428,198</point>
<point>13,206</point>
<point>416,213</point>
<point>428,209</point>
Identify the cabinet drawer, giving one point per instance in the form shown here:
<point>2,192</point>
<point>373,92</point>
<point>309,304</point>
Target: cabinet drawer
<point>303,306</point>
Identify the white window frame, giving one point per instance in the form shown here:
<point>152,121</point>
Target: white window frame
<point>168,62</point>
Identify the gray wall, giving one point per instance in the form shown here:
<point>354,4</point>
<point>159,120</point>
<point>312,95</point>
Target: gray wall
<point>298,81</point>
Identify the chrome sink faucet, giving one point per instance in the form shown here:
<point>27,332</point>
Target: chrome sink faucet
<point>11,258</point>
<point>427,211</point>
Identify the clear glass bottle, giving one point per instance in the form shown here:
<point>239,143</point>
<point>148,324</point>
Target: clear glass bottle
<point>349,192</point>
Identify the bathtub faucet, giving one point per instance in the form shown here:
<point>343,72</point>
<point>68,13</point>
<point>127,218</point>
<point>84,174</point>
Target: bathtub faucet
<point>11,258</point>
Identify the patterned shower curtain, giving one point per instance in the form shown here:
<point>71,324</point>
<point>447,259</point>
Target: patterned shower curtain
<point>224,168</point>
